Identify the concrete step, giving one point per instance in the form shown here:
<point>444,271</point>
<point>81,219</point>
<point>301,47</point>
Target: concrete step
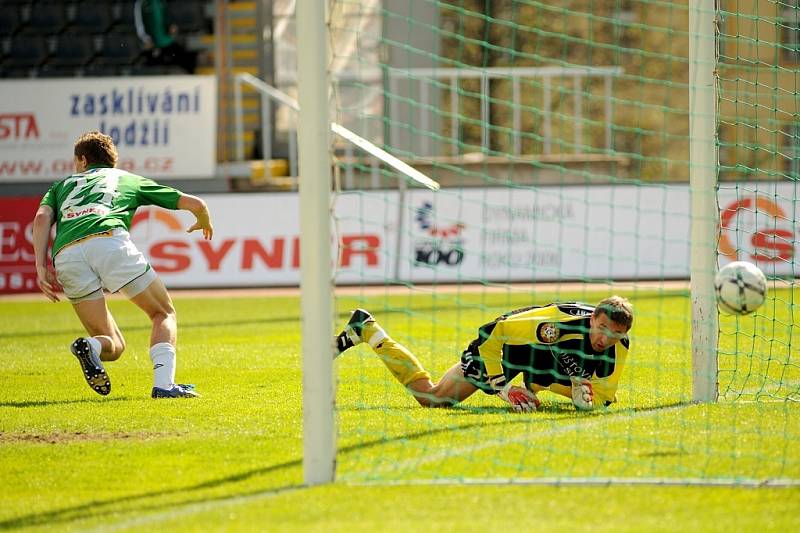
<point>238,41</point>
<point>254,175</point>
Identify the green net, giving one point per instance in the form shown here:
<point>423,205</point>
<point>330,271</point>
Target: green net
<point>758,172</point>
<point>560,136</point>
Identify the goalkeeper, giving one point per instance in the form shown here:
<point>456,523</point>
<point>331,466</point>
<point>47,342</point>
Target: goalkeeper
<point>572,349</point>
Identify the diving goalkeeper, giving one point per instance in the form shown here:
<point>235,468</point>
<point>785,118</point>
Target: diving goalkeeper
<point>571,348</point>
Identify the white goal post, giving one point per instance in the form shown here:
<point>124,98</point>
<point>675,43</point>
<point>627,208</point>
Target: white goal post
<point>703,186</point>
<point>316,300</point>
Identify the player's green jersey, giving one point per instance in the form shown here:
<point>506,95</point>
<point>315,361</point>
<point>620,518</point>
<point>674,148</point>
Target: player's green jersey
<point>548,345</point>
<point>101,199</point>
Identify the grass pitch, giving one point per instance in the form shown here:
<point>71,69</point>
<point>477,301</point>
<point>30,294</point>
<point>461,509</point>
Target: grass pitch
<point>232,460</point>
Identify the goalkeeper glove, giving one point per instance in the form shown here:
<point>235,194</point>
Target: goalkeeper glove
<point>582,393</point>
<point>522,400</point>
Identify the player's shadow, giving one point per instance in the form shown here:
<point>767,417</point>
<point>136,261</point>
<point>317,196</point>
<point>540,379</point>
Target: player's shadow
<point>99,508</point>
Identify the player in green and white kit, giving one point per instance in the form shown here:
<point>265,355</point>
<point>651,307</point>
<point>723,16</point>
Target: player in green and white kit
<point>92,251</point>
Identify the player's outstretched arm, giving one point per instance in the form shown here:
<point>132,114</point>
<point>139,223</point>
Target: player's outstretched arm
<point>199,209</point>
<point>41,239</point>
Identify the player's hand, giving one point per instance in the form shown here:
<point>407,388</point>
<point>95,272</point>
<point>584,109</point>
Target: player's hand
<point>582,393</point>
<point>203,224</point>
<point>199,208</point>
<point>47,283</point>
<point>521,399</point>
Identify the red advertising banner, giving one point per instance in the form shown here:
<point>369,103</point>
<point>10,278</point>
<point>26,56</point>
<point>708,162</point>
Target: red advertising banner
<point>17,266</point>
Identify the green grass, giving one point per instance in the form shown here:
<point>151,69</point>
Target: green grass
<point>232,460</point>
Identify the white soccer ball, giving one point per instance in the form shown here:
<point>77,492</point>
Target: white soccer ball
<point>741,288</point>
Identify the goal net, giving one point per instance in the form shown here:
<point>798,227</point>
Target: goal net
<point>560,136</point>
<point>759,174</point>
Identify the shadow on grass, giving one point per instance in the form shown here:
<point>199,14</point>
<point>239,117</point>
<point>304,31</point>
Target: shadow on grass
<point>378,408</point>
<point>46,403</point>
<point>568,409</point>
<point>96,509</point>
<point>181,325</point>
<point>99,507</point>
<point>342,317</point>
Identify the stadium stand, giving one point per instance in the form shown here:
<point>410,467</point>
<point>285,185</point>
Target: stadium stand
<point>46,38</point>
<point>25,53</point>
<point>124,20</point>
<point>46,18</point>
<point>71,52</point>
<point>118,49</point>
<point>188,15</point>
<point>92,17</point>
<point>10,20</point>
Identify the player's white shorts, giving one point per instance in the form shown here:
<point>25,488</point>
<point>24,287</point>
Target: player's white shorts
<point>111,262</point>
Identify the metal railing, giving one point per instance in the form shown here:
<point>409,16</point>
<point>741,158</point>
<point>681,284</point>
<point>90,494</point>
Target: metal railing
<point>267,91</point>
<point>428,80</point>
<point>273,94</point>
<point>352,138</point>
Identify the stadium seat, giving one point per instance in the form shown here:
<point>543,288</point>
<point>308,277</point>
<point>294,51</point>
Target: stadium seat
<point>26,51</point>
<point>57,71</point>
<point>92,16</point>
<point>123,17</point>
<point>187,15</point>
<point>156,70</point>
<point>46,18</point>
<point>10,20</point>
<point>72,50</point>
<point>100,70</point>
<point>16,72</point>
<point>118,49</point>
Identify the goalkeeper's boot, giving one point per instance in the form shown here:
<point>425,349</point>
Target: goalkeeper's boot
<point>93,370</point>
<point>351,335</point>
<point>176,391</point>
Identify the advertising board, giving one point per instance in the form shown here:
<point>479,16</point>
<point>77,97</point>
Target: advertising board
<point>474,235</point>
<point>164,127</point>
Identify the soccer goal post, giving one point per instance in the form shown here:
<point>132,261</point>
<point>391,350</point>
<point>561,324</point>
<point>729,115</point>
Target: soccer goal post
<point>319,429</point>
<point>702,183</point>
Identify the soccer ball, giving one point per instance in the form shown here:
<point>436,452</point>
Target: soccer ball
<point>741,288</point>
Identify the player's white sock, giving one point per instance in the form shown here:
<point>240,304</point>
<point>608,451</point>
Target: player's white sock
<point>163,357</point>
<point>96,347</point>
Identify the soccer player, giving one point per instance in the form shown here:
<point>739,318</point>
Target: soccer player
<point>572,349</point>
<point>92,251</point>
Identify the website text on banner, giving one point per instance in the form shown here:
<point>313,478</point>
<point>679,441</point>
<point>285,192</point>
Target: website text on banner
<point>165,127</point>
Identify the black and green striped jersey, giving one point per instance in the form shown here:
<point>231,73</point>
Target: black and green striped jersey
<point>547,345</point>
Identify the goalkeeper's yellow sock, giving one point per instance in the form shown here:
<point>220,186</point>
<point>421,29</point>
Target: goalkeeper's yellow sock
<point>403,365</point>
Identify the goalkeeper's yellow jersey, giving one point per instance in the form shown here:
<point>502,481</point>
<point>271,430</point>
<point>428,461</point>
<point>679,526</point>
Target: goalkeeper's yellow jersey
<point>548,345</point>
